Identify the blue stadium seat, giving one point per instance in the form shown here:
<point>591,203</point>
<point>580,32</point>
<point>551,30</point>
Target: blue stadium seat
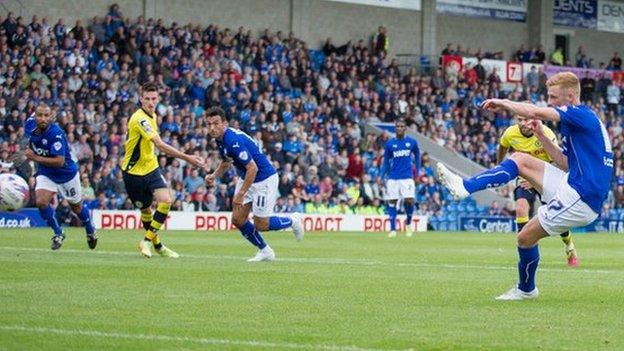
<point>443,226</point>
<point>453,226</point>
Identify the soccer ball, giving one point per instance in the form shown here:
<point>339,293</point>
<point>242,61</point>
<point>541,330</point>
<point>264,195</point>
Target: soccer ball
<point>13,192</point>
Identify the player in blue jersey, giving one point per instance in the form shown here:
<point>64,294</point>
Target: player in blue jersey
<point>257,190</point>
<point>56,173</point>
<point>398,163</point>
<point>574,187</point>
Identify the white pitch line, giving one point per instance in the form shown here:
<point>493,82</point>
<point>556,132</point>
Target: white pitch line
<point>329,261</point>
<point>187,339</point>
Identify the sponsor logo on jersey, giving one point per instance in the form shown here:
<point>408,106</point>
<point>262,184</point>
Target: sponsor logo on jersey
<point>401,153</point>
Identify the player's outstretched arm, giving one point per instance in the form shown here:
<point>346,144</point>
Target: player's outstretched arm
<point>171,151</point>
<point>56,161</point>
<point>522,108</point>
<point>552,149</point>
<point>221,168</point>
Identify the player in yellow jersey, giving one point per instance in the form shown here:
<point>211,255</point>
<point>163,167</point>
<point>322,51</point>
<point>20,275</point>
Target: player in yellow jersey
<point>520,138</point>
<point>141,174</point>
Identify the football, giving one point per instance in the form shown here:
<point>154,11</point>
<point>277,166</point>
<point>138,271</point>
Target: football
<point>13,192</point>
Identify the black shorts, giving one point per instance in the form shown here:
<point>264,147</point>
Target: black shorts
<point>140,189</point>
<point>521,193</point>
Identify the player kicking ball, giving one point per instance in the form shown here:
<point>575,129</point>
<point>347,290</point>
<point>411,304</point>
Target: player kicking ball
<point>56,173</point>
<point>397,164</point>
<point>521,138</point>
<point>257,189</point>
<point>573,187</point>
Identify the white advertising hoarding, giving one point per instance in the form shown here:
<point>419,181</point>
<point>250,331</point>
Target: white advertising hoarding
<point>212,221</point>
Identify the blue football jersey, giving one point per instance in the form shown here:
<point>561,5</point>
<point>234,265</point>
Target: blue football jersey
<point>239,148</point>
<point>52,143</point>
<point>590,158</point>
<point>398,159</point>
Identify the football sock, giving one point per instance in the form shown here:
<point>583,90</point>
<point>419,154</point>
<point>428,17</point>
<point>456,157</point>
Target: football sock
<point>146,218</point>
<point>527,267</point>
<point>85,217</point>
<point>162,210</point>
<point>252,235</point>
<point>409,211</point>
<point>277,223</point>
<point>521,222</point>
<point>392,213</point>
<point>497,176</point>
<point>566,238</point>
<point>48,215</point>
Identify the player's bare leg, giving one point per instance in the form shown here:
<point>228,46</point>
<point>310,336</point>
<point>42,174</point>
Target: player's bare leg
<point>43,199</point>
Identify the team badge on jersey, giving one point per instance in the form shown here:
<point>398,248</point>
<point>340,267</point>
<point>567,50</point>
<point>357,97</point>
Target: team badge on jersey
<point>146,126</point>
<point>243,155</point>
<point>57,145</point>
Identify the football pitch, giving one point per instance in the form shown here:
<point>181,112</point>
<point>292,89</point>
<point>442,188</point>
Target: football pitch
<point>333,291</point>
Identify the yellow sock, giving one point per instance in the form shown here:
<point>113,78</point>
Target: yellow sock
<point>566,238</point>
<point>156,240</point>
<point>146,218</point>
<point>162,210</point>
<point>150,235</point>
<point>521,221</point>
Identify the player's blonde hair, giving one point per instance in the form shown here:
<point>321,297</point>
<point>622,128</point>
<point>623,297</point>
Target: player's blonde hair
<point>567,81</point>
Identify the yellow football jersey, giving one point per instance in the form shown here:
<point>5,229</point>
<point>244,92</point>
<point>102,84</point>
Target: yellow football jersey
<point>513,138</point>
<point>140,158</point>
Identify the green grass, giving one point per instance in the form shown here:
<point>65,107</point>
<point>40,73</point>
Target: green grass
<point>334,291</point>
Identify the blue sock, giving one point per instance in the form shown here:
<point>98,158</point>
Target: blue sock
<point>392,212</point>
<point>48,214</point>
<point>409,210</point>
<point>527,267</point>
<point>252,235</point>
<point>492,178</point>
<point>278,223</point>
<point>85,217</point>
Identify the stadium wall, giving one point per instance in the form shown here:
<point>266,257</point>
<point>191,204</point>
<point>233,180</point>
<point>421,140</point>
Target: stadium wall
<point>489,35</point>
<point>599,45</point>
<point>71,10</point>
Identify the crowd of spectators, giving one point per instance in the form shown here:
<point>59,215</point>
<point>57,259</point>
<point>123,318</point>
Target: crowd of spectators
<point>306,107</point>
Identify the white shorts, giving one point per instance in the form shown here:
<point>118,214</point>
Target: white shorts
<point>564,208</point>
<point>400,188</point>
<point>70,191</point>
<point>262,195</point>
